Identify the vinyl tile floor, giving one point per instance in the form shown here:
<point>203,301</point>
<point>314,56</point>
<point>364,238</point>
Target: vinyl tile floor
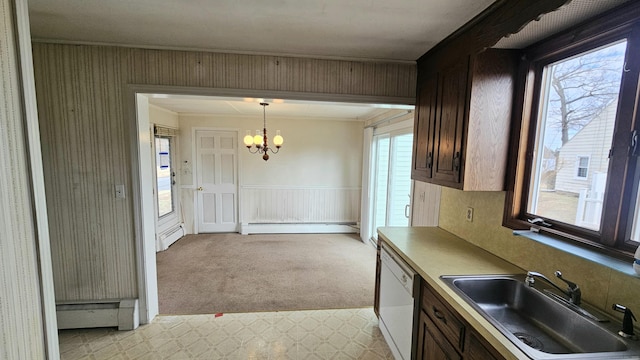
<point>313,334</point>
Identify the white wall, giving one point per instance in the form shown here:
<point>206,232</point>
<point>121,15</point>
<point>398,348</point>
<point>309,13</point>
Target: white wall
<point>317,153</point>
<point>164,117</point>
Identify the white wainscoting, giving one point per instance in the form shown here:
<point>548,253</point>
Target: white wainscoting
<point>267,209</point>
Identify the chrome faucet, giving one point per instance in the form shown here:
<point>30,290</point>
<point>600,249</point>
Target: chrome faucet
<point>572,292</point>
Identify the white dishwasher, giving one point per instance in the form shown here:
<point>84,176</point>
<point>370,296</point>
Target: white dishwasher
<point>396,303</point>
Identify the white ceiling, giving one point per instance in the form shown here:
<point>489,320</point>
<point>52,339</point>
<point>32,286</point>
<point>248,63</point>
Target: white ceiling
<point>228,106</point>
<point>395,30</point>
<point>385,30</point>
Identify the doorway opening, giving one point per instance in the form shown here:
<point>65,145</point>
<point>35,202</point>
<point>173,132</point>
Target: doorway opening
<point>313,185</point>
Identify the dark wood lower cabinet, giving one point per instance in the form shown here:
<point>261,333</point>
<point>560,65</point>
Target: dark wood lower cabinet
<point>376,297</point>
<point>432,344</point>
<point>476,350</point>
<point>443,335</point>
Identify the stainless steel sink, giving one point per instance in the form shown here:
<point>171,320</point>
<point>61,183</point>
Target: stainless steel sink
<point>540,326</point>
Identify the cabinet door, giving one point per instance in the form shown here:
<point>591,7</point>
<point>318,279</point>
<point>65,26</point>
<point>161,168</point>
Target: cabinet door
<point>424,129</point>
<point>475,350</point>
<point>432,345</point>
<point>449,125</point>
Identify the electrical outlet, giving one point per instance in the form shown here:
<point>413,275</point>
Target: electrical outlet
<point>469,216</point>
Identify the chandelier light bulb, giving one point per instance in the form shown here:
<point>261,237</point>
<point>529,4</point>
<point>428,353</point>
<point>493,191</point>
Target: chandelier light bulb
<point>258,139</point>
<point>248,139</point>
<point>278,140</point>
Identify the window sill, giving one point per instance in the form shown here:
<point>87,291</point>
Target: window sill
<point>581,252</point>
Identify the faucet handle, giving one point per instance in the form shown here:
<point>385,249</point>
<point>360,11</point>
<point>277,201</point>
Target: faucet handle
<point>572,286</point>
<point>573,291</point>
<point>530,279</point>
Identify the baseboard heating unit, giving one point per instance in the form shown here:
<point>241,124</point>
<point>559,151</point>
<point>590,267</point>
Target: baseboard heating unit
<point>169,237</point>
<point>122,314</point>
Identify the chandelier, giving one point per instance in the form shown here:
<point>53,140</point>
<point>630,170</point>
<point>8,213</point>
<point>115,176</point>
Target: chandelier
<point>260,140</point>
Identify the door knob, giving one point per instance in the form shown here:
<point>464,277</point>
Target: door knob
<point>200,188</point>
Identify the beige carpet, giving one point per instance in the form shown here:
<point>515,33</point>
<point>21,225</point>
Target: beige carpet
<point>229,273</point>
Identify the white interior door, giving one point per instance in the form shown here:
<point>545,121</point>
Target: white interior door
<point>217,181</point>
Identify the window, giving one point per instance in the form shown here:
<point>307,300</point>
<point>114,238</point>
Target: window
<point>583,167</point>
<point>575,168</point>
<point>164,176</point>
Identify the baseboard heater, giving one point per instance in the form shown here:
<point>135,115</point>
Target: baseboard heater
<point>122,314</point>
<point>171,236</point>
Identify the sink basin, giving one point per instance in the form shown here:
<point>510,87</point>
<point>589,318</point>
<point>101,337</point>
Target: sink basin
<point>540,326</point>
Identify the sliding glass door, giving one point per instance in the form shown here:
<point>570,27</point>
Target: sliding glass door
<point>391,180</point>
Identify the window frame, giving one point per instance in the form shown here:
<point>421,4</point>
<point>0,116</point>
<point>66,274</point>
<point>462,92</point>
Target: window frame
<point>586,168</point>
<point>614,239</point>
<point>171,143</point>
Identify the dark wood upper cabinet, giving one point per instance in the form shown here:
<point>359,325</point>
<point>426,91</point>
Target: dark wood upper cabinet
<point>461,130</point>
<point>424,130</point>
<point>464,97</point>
<point>449,123</point>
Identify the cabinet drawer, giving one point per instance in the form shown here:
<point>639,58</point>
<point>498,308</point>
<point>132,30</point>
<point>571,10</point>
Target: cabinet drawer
<point>452,328</point>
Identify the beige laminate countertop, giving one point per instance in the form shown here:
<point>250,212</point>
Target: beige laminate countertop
<point>433,252</point>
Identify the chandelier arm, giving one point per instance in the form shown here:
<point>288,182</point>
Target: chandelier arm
<point>255,151</point>
<point>274,152</point>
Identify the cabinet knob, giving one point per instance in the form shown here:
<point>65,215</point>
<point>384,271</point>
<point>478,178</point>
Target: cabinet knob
<point>429,160</point>
<point>440,316</point>
<point>200,188</point>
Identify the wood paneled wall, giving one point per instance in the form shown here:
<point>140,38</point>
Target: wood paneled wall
<point>86,130</point>
<point>21,321</point>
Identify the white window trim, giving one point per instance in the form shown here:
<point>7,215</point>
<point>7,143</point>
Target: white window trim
<point>577,168</point>
<point>170,219</point>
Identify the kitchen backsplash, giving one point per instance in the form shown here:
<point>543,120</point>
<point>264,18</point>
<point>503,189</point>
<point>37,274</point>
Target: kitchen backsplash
<point>601,286</point>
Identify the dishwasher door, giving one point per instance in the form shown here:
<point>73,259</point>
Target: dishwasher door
<point>396,303</point>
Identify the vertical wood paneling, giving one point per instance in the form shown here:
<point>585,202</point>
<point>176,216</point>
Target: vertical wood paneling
<point>21,323</point>
<point>85,139</point>
<point>298,205</point>
<point>85,147</point>
<point>260,72</point>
